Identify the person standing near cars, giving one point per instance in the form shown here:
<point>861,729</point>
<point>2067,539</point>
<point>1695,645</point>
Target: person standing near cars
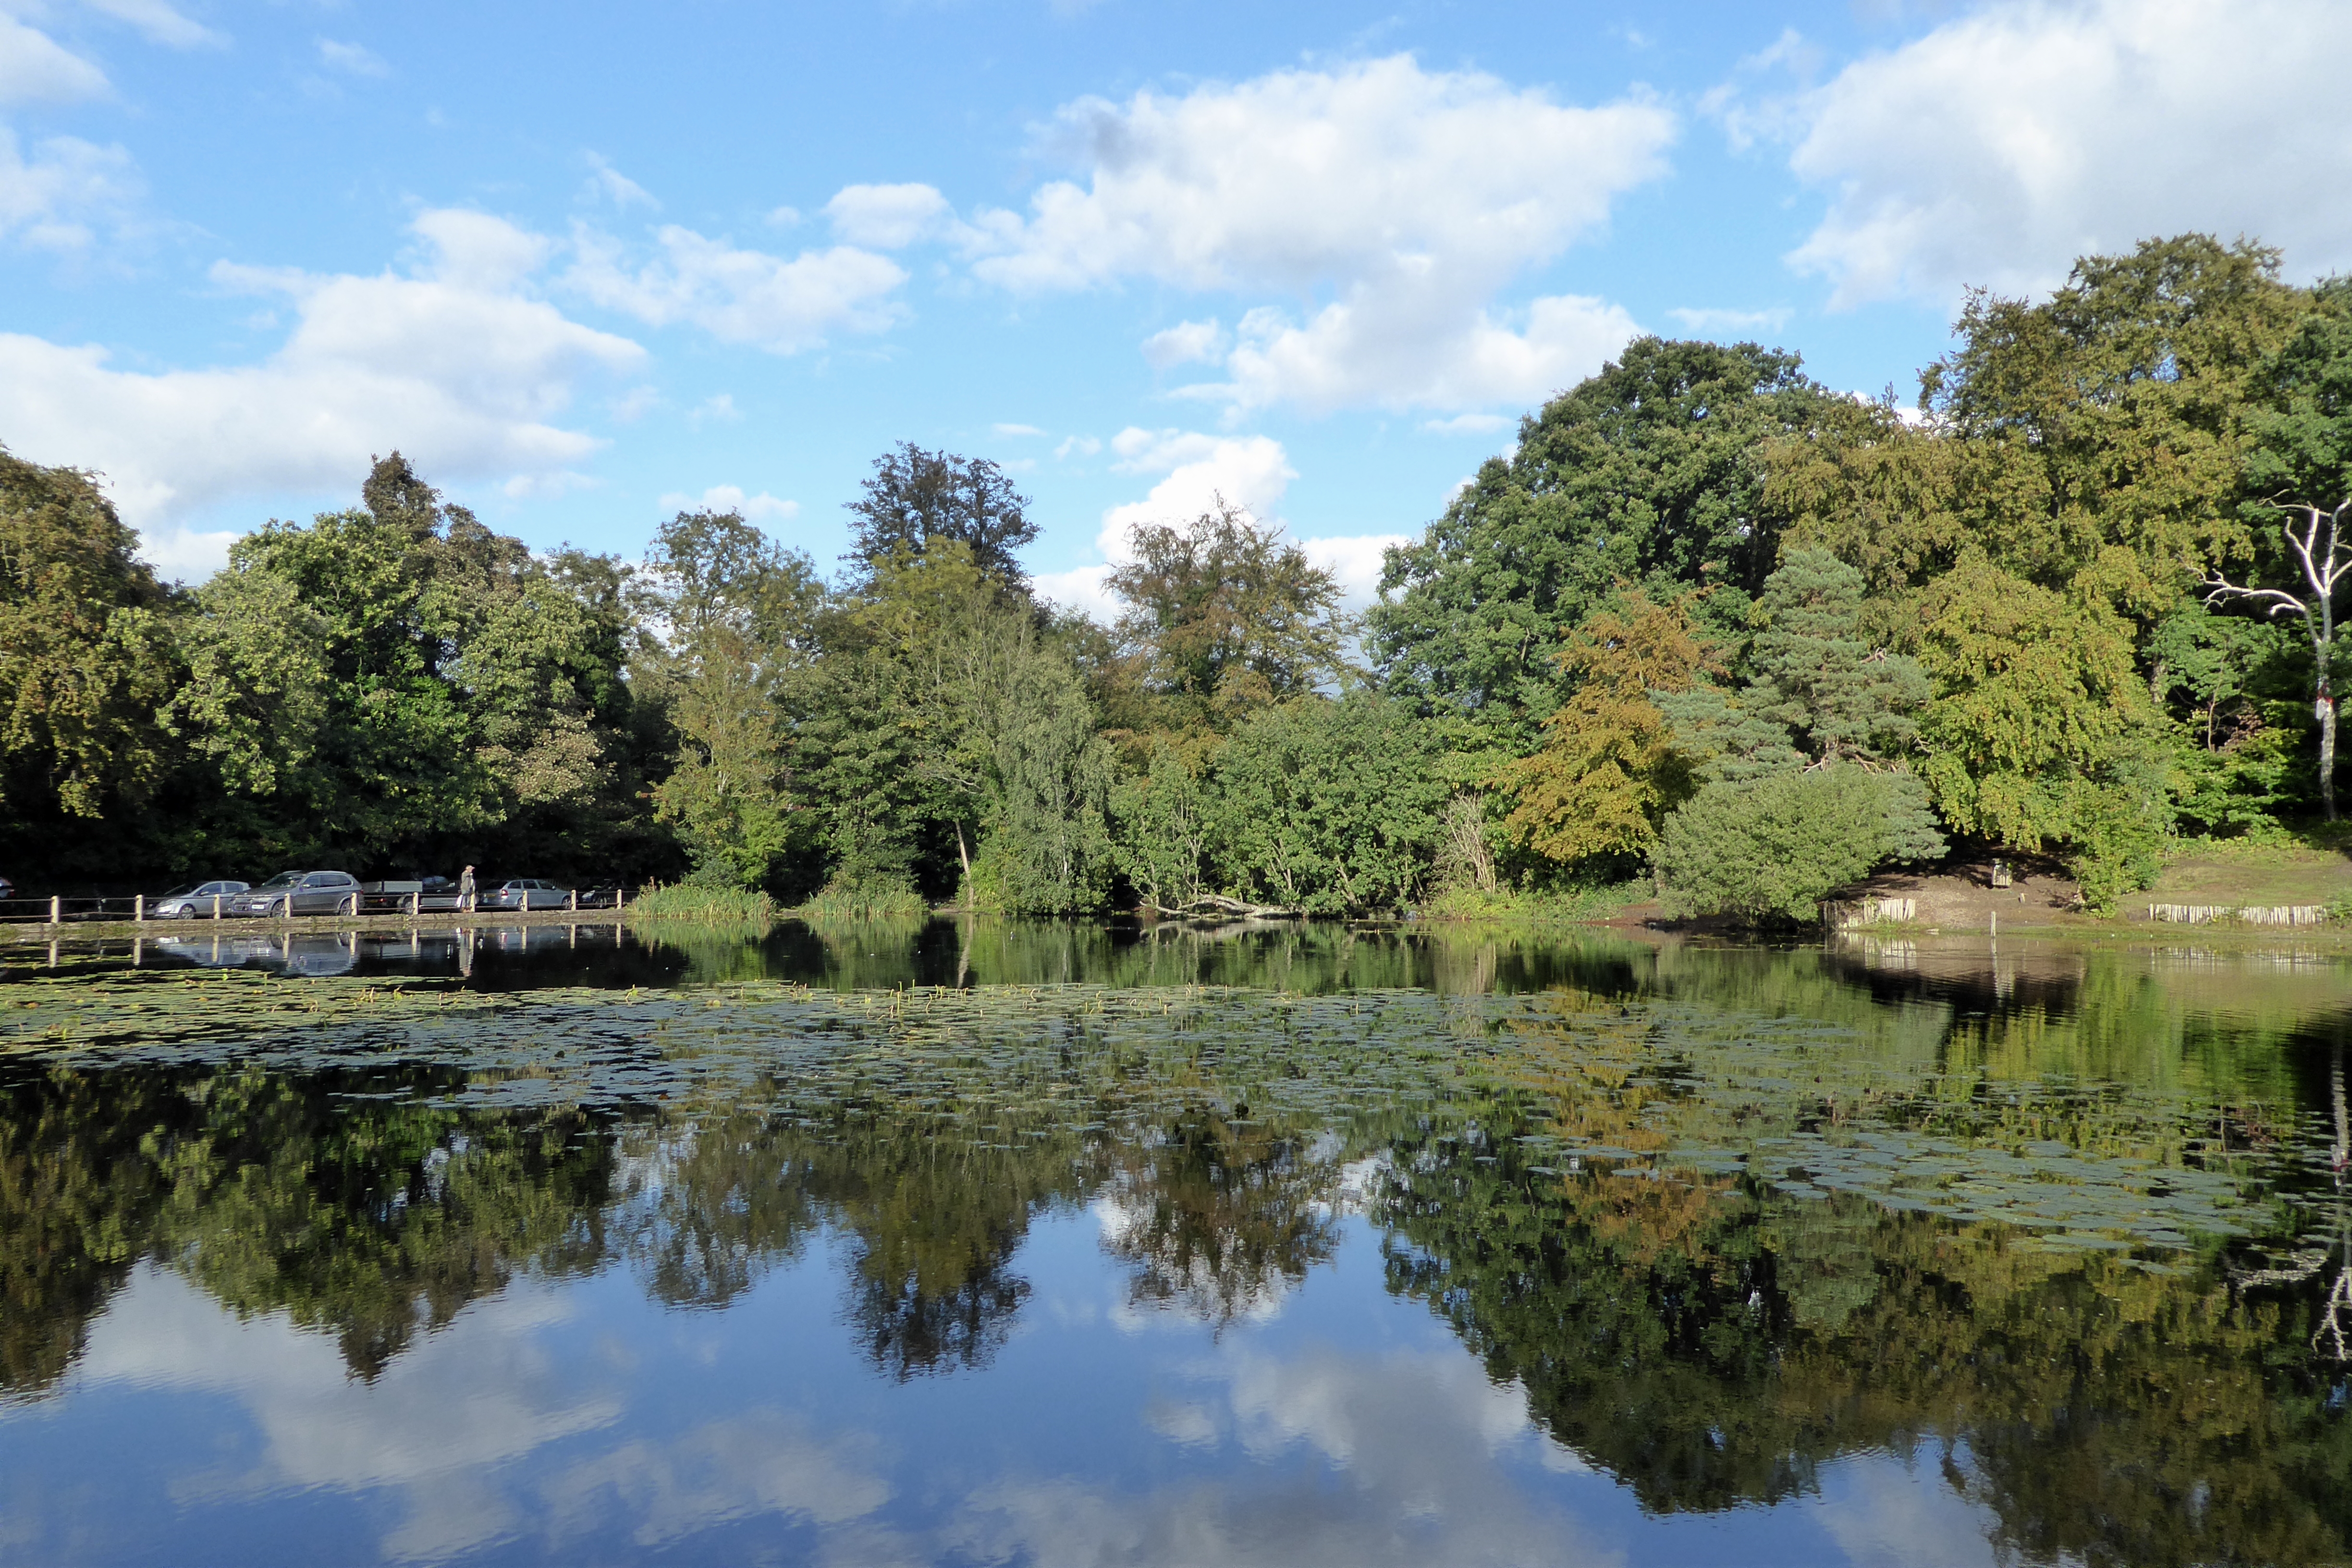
<point>465,888</point>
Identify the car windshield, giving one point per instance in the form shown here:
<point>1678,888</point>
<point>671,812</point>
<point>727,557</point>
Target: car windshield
<point>283,879</point>
<point>181,892</point>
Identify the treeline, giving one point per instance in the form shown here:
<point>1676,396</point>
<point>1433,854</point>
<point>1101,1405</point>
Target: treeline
<point>1707,620</point>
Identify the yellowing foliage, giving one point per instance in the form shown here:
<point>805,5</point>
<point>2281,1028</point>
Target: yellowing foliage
<point>1608,770</point>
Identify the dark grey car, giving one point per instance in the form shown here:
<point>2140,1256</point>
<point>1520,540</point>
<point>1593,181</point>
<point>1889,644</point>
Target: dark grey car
<point>418,895</point>
<point>308,893</point>
<point>195,901</point>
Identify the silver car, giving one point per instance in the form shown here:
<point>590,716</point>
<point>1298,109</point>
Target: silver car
<point>526,893</point>
<point>301,893</point>
<point>194,902</point>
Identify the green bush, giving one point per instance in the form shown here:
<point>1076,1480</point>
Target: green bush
<point>1329,807</point>
<point>700,903</point>
<point>1772,848</point>
<point>1520,906</point>
<point>873,899</point>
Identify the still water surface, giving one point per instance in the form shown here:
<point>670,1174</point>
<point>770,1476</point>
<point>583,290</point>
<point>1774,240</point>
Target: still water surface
<point>1023,1244</point>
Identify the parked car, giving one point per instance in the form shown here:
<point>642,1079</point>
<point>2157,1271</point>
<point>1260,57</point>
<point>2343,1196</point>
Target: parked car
<point>195,900</point>
<point>7,889</point>
<point>526,893</point>
<point>300,893</point>
<point>425,895</point>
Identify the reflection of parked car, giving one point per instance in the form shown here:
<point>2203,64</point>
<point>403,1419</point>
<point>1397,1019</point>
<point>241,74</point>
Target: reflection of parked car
<point>526,893</point>
<point>300,893</point>
<point>190,902</point>
<point>317,955</point>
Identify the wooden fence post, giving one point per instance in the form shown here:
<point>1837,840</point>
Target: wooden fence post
<point>57,910</point>
<point>573,903</point>
<point>138,913</point>
<point>415,902</point>
<point>217,898</point>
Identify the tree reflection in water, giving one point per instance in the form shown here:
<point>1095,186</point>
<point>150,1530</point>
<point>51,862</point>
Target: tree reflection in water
<point>1692,1327</point>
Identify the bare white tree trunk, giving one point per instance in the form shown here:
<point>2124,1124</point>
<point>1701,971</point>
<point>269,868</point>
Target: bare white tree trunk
<point>2316,541</point>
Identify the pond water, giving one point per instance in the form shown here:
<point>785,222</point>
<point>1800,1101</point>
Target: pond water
<point>987,1243</point>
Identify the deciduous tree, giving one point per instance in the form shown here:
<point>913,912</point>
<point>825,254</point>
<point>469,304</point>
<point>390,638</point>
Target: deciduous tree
<point>1648,473</point>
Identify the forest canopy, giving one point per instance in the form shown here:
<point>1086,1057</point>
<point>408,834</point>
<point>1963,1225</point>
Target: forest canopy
<point>1708,623</point>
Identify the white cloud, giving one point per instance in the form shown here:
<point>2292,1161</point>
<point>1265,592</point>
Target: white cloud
<point>2007,141</point>
<point>184,554</point>
<point>1085,589</point>
<point>1080,445</point>
<point>1411,197</point>
<point>453,1408</point>
<point>51,200</point>
<point>1016,430</point>
<point>741,296</point>
<point>605,180</point>
<point>452,362</point>
<point>1709,319</point>
<point>1251,471</point>
<point>886,216</point>
<point>36,68</point>
<point>1186,342</point>
<point>1469,425</point>
<point>1300,178</point>
<point>1355,560</point>
<point>1409,347</point>
<point>354,59</point>
<point>1409,1456</point>
<point>720,405</point>
<point>160,23</point>
<point>730,498</point>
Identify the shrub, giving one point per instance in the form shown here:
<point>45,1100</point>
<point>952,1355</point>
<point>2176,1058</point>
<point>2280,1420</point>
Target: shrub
<point>1772,848</point>
<point>873,899</point>
<point>700,903</point>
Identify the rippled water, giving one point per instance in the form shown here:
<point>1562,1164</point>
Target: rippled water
<point>973,1242</point>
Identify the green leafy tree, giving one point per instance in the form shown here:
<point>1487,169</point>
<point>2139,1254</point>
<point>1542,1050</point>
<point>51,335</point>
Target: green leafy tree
<point>1224,617</point>
<point>915,500</point>
<point>1332,808</point>
<point>255,696</point>
<point>85,656</point>
<point>735,610</point>
<point>401,683</point>
<point>1648,473</point>
<point>1162,844</point>
<point>2303,465</point>
<point>2106,430</point>
<point>1803,791</point>
<point>2041,734</point>
<point>947,736</point>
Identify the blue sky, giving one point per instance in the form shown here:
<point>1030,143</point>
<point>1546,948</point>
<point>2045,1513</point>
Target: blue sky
<point>588,263</point>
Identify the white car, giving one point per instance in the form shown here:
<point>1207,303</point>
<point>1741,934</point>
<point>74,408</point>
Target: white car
<point>195,903</point>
